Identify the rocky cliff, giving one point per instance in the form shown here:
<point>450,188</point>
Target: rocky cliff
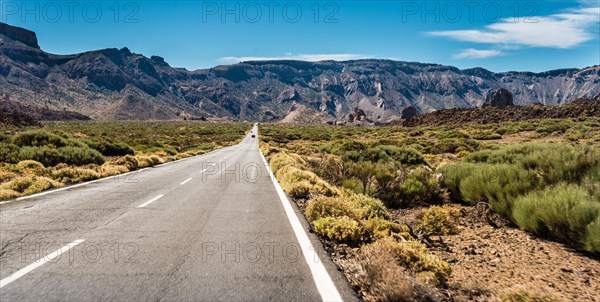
<point>119,84</point>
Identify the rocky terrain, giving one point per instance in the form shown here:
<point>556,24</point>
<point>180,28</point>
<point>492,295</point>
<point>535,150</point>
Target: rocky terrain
<point>581,107</point>
<point>119,84</point>
<point>18,114</point>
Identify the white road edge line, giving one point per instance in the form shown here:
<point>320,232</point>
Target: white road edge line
<point>323,281</point>
<point>185,181</point>
<point>22,272</point>
<point>151,201</point>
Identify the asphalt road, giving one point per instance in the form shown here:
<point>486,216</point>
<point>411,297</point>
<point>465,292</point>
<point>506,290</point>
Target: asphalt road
<point>208,228</point>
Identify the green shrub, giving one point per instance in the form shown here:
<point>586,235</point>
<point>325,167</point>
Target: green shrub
<point>110,148</point>
<point>341,229</point>
<point>553,162</point>
<point>591,241</point>
<point>563,211</point>
<point>498,184</point>
<point>49,156</point>
<point>453,146</point>
<point>451,134</point>
<point>416,186</point>
<point>440,220</point>
<point>385,153</point>
<point>39,138</point>
<point>487,136</point>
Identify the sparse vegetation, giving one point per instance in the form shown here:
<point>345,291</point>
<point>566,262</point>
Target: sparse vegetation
<point>541,175</point>
<point>61,153</point>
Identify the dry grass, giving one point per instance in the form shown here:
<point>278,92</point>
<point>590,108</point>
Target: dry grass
<point>519,293</point>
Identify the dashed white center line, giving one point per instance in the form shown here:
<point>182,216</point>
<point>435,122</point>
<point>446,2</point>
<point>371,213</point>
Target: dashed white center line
<point>151,201</point>
<point>22,272</point>
<point>185,181</point>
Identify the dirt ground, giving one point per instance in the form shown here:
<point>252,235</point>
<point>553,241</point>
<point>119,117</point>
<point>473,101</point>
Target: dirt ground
<point>488,260</point>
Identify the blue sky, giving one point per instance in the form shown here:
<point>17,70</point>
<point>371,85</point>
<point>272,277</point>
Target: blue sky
<point>497,35</point>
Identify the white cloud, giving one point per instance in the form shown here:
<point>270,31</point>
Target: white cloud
<point>565,30</point>
<point>299,57</point>
<point>471,53</point>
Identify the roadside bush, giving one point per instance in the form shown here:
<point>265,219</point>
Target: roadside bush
<point>341,229</point>
<point>144,161</point>
<point>128,161</point>
<point>25,185</point>
<point>323,206</point>
<point>415,257</point>
<point>298,190</point>
<point>563,211</point>
<point>437,220</point>
<point>8,194</point>
<point>74,175</point>
<point>281,159</point>
<point>110,169</point>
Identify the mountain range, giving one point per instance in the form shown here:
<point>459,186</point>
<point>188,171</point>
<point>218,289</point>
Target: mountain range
<point>114,84</point>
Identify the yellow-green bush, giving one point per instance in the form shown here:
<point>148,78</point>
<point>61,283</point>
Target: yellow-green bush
<point>323,206</point>
<point>73,175</point>
<point>109,169</point>
<point>8,194</point>
<point>128,161</point>
<point>298,190</point>
<point>413,256</point>
<point>439,220</point>
<point>377,228</point>
<point>30,165</point>
<point>280,160</point>
<point>25,185</point>
<point>144,161</point>
<point>341,229</point>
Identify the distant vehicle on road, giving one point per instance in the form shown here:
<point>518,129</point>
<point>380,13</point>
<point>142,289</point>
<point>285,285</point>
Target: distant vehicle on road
<point>253,135</point>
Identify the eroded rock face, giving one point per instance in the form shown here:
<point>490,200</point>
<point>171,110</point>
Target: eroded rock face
<point>22,35</point>
<point>93,81</point>
<point>499,98</point>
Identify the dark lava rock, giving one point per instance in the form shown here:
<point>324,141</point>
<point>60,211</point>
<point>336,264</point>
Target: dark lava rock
<point>499,98</point>
<point>408,113</point>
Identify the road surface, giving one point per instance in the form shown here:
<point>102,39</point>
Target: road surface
<point>208,228</point>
